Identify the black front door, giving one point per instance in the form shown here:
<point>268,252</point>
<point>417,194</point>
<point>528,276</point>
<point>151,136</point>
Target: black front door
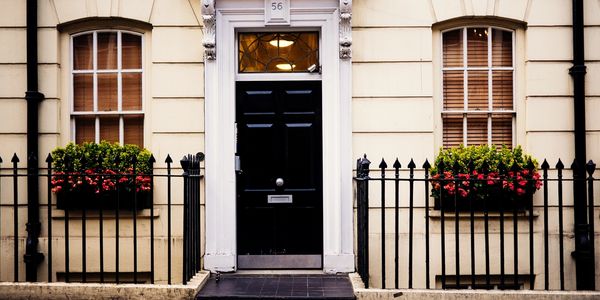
<point>279,182</point>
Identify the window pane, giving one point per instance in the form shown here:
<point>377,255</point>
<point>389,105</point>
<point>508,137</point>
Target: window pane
<point>502,85</point>
<point>83,46</point>
<point>107,50</point>
<point>132,91</point>
<point>478,90</point>
<point>502,129</point>
<point>501,48</point>
<point>278,52</point>
<point>109,129</point>
<point>477,47</point>
<point>107,92</point>
<point>477,130</point>
<point>453,48</point>
<point>453,130</point>
<point>134,130</point>
<point>132,51</point>
<point>454,90</point>
<point>85,129</point>
<point>83,92</point>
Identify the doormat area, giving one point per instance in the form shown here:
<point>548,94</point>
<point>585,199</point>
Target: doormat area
<point>233,286</point>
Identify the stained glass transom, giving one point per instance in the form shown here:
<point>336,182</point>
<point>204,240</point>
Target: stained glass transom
<point>277,52</point>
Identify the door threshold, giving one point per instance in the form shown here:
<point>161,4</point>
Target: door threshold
<point>280,272</point>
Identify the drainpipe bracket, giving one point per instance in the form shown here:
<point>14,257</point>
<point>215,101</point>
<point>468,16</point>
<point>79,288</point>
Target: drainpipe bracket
<point>35,258</point>
<point>578,70</point>
<point>34,96</point>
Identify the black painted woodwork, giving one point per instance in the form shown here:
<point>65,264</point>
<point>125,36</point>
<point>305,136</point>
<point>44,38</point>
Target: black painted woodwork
<point>279,136</point>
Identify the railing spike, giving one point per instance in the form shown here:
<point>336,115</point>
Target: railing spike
<point>397,164</point>
<point>590,167</point>
<point>151,160</point>
<point>560,165</point>
<point>441,165</point>
<point>575,165</point>
<point>485,167</point>
<point>0,159</point>
<point>382,165</point>
<point>48,158</point>
<point>545,165</point>
<point>501,167</point>
<point>426,165</point>
<point>15,158</point>
<point>530,164</point>
<point>456,167</point>
<point>32,157</point>
<point>168,160</point>
<point>515,166</point>
<point>411,164</point>
<point>134,159</point>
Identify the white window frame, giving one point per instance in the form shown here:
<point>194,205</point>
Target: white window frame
<point>119,112</point>
<point>465,68</point>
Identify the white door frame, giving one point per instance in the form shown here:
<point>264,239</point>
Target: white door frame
<point>220,76</point>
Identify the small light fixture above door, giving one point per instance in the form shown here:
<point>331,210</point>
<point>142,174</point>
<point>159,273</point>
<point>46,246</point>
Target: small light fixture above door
<point>268,52</point>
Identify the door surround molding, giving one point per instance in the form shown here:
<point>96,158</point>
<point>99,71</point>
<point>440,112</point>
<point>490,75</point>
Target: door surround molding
<point>220,76</point>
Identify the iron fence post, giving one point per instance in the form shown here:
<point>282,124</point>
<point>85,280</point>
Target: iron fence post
<point>362,186</point>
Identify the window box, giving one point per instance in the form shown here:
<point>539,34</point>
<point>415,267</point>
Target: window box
<point>95,176</point>
<point>127,200</point>
<point>490,204</point>
<point>484,178</point>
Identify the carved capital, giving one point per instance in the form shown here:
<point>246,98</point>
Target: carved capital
<point>345,29</point>
<point>209,30</point>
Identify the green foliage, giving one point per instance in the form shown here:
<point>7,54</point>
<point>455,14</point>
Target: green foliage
<point>106,156</point>
<point>101,168</point>
<point>483,159</point>
<point>484,172</point>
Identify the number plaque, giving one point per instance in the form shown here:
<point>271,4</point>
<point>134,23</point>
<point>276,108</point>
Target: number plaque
<point>277,12</point>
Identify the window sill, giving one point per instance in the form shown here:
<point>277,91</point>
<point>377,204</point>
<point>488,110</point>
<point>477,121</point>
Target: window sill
<point>59,214</point>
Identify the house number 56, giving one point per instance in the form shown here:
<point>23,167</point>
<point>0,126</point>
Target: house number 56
<point>277,5</point>
<point>277,12</point>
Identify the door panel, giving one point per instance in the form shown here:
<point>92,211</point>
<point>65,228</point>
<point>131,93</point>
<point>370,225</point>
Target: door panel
<point>279,136</point>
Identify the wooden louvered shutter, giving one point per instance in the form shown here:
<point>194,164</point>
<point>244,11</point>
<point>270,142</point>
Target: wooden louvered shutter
<point>486,120</point>
<point>107,87</point>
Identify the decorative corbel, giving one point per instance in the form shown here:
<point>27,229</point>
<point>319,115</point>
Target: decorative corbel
<point>345,29</point>
<point>209,19</point>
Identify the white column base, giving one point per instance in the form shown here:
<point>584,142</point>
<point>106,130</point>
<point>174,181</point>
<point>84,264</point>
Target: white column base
<point>219,263</point>
<point>338,263</point>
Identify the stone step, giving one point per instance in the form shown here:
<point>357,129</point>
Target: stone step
<point>289,287</point>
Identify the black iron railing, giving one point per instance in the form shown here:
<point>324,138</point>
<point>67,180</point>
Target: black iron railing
<point>122,211</point>
<point>469,236</point>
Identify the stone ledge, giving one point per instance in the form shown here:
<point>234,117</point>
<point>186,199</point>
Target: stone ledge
<point>61,290</point>
<point>371,294</point>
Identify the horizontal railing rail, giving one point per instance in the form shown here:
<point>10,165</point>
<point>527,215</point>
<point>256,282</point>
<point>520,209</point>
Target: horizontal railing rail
<point>480,242</point>
<point>111,224</point>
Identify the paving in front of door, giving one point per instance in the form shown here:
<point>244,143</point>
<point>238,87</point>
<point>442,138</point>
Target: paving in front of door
<point>290,287</point>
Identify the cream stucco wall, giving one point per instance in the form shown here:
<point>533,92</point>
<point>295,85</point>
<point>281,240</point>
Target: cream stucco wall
<point>395,98</point>
<point>173,124</point>
<point>397,104</point>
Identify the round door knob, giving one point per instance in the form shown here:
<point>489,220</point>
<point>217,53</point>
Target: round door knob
<point>279,182</point>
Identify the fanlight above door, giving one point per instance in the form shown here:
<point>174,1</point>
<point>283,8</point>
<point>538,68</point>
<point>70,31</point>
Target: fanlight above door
<point>268,52</point>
